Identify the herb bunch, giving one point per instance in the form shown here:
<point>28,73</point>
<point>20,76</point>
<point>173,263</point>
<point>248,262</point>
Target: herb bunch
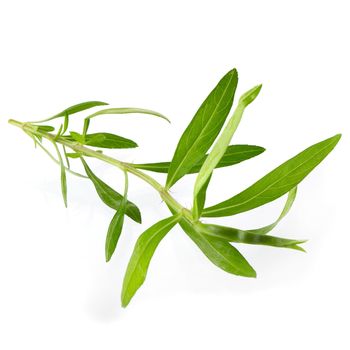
<point>207,130</point>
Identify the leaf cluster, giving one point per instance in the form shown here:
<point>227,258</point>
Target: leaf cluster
<point>204,146</point>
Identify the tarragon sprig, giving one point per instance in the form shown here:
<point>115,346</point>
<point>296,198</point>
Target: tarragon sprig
<point>206,131</point>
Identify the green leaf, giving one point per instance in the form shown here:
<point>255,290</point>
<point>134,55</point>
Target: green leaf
<point>287,206</point>
<point>111,197</point>
<point>79,108</point>
<point>64,183</point>
<point>234,154</point>
<point>116,225</point>
<point>114,231</point>
<point>75,136</point>
<point>203,129</point>
<point>127,111</point>
<point>219,252</point>
<point>66,157</point>
<point>65,123</point>
<point>73,155</point>
<point>231,234</point>
<point>107,140</point>
<point>102,140</point>
<point>141,257</point>
<point>72,110</point>
<point>200,201</point>
<point>277,182</point>
<point>63,175</point>
<point>224,140</point>
<point>59,132</point>
<point>45,128</point>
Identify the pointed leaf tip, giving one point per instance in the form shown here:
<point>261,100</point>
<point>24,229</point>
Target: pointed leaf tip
<point>248,97</point>
<point>203,128</point>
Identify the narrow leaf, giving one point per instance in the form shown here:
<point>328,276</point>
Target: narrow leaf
<point>64,183</point>
<point>73,155</point>
<point>277,182</point>
<point>102,140</point>
<point>63,175</point>
<point>114,231</point>
<point>74,109</point>
<point>111,197</point>
<point>224,139</point>
<point>141,257</point>
<point>287,206</point>
<point>66,157</point>
<point>231,234</point>
<point>75,136</point>
<point>45,128</point>
<point>203,129</point>
<point>127,110</point>
<point>107,140</point>
<point>59,132</point>
<point>116,225</point>
<point>65,123</point>
<point>79,108</point>
<point>199,203</point>
<point>234,154</point>
<point>219,252</point>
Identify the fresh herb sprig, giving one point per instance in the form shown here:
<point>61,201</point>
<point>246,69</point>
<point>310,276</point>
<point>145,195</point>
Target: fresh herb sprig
<point>191,156</point>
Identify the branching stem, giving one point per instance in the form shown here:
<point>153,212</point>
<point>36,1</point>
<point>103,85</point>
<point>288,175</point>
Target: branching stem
<point>126,167</point>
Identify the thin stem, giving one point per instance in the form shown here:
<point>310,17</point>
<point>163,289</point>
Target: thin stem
<point>57,162</point>
<point>126,167</point>
<point>126,185</point>
<point>66,157</point>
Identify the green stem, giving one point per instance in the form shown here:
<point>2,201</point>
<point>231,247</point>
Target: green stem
<point>126,167</point>
<point>57,162</point>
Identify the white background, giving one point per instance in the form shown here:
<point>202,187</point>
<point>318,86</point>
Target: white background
<point>56,290</point>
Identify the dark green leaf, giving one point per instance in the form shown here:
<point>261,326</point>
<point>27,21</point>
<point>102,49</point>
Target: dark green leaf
<point>231,234</point>
<point>224,140</point>
<point>141,257</point>
<point>111,197</point>
<point>219,252</point>
<point>234,154</point>
<point>277,182</point>
<point>203,129</point>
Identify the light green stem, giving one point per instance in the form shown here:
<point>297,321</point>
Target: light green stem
<point>126,167</point>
